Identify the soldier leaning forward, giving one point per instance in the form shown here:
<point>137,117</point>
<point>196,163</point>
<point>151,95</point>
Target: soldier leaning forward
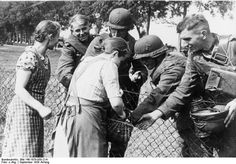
<point>208,53</point>
<point>74,49</point>
<point>167,68</point>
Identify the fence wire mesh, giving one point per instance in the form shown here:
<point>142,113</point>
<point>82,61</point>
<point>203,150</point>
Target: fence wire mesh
<point>162,139</point>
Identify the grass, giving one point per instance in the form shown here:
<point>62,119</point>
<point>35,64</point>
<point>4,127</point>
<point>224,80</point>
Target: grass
<point>10,53</point>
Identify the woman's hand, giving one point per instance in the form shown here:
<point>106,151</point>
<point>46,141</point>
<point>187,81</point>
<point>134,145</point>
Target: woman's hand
<point>22,78</point>
<point>231,106</point>
<point>45,112</point>
<point>148,119</point>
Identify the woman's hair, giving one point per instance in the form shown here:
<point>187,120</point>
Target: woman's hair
<point>44,28</point>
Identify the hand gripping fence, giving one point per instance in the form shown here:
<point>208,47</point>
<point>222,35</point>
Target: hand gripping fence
<point>162,139</point>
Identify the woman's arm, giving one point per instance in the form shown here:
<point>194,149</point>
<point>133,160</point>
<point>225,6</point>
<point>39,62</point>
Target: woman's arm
<point>22,78</point>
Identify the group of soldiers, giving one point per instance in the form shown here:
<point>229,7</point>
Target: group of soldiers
<point>178,79</point>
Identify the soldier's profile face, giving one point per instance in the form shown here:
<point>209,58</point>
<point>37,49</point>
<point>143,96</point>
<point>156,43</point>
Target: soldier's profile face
<point>148,62</point>
<point>192,39</point>
<point>80,31</point>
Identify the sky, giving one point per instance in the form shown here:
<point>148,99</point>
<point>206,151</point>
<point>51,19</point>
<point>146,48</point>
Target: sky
<point>167,32</point>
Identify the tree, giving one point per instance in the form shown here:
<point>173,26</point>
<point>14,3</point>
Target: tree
<point>214,7</point>
<point>179,8</point>
<point>21,17</point>
<point>142,11</point>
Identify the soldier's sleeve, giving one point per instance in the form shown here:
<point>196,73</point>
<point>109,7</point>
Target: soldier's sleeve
<point>96,46</point>
<point>183,93</point>
<point>169,80</point>
<point>66,65</point>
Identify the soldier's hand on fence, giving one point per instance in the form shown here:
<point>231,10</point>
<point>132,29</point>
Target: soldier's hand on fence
<point>136,76</point>
<point>45,113</point>
<point>148,119</point>
<point>231,106</point>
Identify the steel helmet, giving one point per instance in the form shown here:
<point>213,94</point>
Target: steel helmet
<point>210,120</point>
<point>149,46</point>
<point>120,18</point>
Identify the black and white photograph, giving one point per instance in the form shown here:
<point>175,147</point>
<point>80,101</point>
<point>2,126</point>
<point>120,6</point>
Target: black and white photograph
<point>117,79</point>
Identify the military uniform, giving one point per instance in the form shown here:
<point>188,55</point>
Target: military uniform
<point>192,86</point>
<point>131,89</point>
<point>72,53</point>
<point>165,77</point>
<point>120,19</point>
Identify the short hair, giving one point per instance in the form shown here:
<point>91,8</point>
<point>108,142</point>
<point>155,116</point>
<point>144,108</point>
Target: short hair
<point>44,28</point>
<point>193,21</point>
<point>84,20</point>
<point>116,44</point>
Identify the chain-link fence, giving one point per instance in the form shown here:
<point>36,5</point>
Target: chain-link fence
<point>160,140</point>
<point>55,95</point>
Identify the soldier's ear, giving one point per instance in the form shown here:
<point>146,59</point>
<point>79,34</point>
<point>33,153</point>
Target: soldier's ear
<point>115,53</point>
<point>204,34</point>
<point>50,37</point>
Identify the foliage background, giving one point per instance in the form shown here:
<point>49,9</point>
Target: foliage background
<point>18,18</point>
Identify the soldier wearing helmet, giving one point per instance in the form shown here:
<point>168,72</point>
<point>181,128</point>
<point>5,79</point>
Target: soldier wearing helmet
<point>132,74</point>
<point>206,52</point>
<point>74,49</point>
<point>167,70</point>
<point>120,22</point>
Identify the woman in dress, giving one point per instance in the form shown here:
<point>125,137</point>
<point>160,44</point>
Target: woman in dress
<point>24,131</point>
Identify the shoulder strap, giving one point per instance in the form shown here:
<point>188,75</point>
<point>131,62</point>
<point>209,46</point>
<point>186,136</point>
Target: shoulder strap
<point>220,55</point>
